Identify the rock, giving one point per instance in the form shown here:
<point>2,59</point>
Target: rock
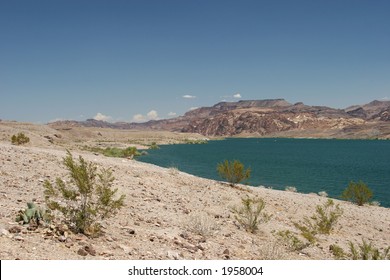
<point>82,252</point>
<point>15,229</point>
<point>172,255</point>
<point>4,232</point>
<point>61,238</point>
<point>131,231</point>
<point>226,252</point>
<point>90,250</point>
<point>18,238</point>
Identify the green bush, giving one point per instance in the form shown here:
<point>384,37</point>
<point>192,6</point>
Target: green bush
<point>154,146</point>
<point>233,171</point>
<point>88,198</point>
<point>366,251</point>
<point>250,215</point>
<point>19,139</point>
<point>326,216</point>
<point>358,193</point>
<point>290,240</point>
<point>323,221</point>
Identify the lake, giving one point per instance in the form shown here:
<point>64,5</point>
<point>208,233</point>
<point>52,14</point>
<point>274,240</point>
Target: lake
<point>310,165</point>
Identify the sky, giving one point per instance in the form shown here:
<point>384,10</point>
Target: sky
<point>137,60</point>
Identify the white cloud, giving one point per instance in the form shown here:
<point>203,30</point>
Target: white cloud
<point>101,117</point>
<point>171,114</point>
<point>188,96</point>
<point>237,95</point>
<point>193,108</point>
<point>139,118</point>
<point>152,115</point>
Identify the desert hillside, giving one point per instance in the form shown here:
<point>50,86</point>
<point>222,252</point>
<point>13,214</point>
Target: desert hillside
<point>268,118</point>
<point>168,214</point>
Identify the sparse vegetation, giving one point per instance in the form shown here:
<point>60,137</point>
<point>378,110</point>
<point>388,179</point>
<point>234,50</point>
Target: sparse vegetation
<point>195,141</point>
<point>290,240</point>
<point>233,171</point>
<point>88,199</point>
<point>358,193</point>
<point>337,252</point>
<point>322,222</point>
<point>250,213</point>
<point>19,139</point>
<point>154,146</point>
<point>33,214</point>
<point>129,152</point>
<point>173,170</point>
<point>366,251</point>
<point>202,224</point>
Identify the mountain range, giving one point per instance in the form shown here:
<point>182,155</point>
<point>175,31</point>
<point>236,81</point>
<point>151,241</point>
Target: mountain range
<point>267,118</point>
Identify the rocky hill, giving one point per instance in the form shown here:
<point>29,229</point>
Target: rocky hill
<point>271,117</point>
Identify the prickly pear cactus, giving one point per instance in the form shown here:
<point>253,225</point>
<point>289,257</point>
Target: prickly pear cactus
<point>33,213</point>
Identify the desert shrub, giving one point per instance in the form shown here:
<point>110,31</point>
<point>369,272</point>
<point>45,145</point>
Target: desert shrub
<point>358,193</point>
<point>326,216</point>
<point>337,252</point>
<point>307,230</point>
<point>88,199</point>
<point>202,224</point>
<point>271,251</point>
<point>19,139</point>
<point>173,170</point>
<point>154,146</point>
<point>233,171</point>
<point>323,221</point>
<point>290,240</point>
<point>250,215</point>
<point>129,152</point>
<point>366,251</point>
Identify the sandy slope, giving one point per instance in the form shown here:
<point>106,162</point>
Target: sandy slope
<point>161,213</point>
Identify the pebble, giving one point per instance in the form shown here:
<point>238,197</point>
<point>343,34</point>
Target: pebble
<point>82,252</point>
<point>90,250</point>
<point>15,229</point>
<point>18,238</point>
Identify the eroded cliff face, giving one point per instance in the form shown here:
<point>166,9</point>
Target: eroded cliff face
<point>272,117</point>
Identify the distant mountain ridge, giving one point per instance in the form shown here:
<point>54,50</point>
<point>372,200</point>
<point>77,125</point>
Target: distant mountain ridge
<point>270,117</point>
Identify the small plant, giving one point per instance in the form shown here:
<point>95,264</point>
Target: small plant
<point>290,189</point>
<point>154,146</point>
<point>358,193</point>
<point>19,139</point>
<point>290,240</point>
<point>250,215</point>
<point>202,224</point>
<point>233,171</point>
<point>323,221</point>
<point>307,230</point>
<point>173,170</point>
<point>337,252</point>
<point>366,251</point>
<point>88,199</point>
<point>34,214</point>
<point>327,216</point>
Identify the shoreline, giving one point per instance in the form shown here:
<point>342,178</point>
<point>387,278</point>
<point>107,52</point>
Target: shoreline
<point>160,219</point>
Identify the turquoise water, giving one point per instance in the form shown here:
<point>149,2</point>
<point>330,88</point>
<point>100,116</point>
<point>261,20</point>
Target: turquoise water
<point>310,165</point>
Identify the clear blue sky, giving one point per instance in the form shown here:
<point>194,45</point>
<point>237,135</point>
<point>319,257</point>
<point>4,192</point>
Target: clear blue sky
<point>142,59</point>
